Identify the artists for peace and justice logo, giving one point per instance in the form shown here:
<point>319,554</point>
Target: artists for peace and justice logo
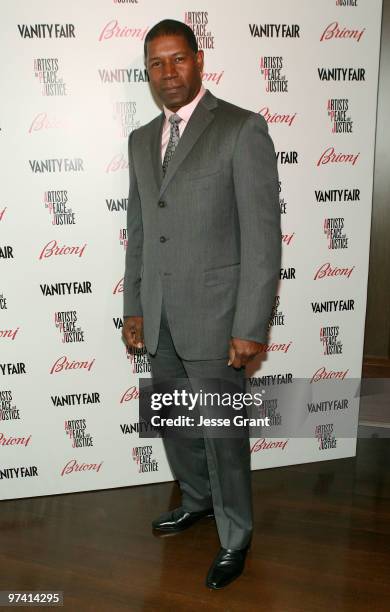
<point>341,122</point>
<point>3,302</point>
<point>282,201</point>
<point>77,432</point>
<point>47,72</point>
<point>66,322</point>
<point>335,234</point>
<point>125,116</point>
<point>139,360</point>
<point>123,237</point>
<point>8,410</point>
<point>330,340</point>
<point>143,456</point>
<point>277,316</point>
<point>325,436</point>
<point>57,203</point>
<point>199,23</point>
<point>271,69</point>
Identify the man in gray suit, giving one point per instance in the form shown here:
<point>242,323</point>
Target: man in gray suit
<point>202,267</point>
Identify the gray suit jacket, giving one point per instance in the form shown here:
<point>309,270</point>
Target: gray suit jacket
<point>206,236</point>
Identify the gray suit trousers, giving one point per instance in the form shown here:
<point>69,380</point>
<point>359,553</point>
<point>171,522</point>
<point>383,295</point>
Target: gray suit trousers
<point>210,471</point>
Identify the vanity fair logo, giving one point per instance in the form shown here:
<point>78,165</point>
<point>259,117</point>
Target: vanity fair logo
<point>63,164</point>
<point>76,399</point>
<point>6,251</point>
<point>18,472</point>
<point>73,288</point>
<point>337,195</point>
<point>333,306</point>
<point>47,30</point>
<point>342,74</point>
<point>46,70</point>
<point>52,248</point>
<point>8,369</point>
<point>271,67</point>
<point>72,466</point>
<point>123,75</point>
<point>43,121</point>
<point>278,118</point>
<point>113,29</point>
<point>329,156</point>
<point>199,23</point>
<point>287,157</point>
<point>63,364</point>
<point>56,203</point>
<point>115,205</point>
<point>334,30</point>
<point>274,30</point>
<point>287,274</point>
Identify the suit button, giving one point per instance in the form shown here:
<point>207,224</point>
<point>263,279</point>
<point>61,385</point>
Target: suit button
<point>161,204</point>
<point>163,239</point>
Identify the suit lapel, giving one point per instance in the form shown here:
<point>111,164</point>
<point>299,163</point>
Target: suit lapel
<point>156,149</point>
<point>199,121</point>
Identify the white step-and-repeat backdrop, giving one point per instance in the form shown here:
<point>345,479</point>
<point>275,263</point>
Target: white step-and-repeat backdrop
<point>73,87</point>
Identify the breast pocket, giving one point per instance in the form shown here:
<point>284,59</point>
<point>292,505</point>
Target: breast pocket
<point>203,174</point>
<point>225,275</point>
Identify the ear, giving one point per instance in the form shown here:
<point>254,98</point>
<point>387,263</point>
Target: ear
<point>200,59</point>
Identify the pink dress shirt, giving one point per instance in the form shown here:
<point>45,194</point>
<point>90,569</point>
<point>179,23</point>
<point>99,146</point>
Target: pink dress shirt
<point>185,113</point>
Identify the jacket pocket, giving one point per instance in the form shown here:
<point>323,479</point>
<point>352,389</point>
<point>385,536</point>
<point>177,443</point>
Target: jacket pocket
<point>225,274</point>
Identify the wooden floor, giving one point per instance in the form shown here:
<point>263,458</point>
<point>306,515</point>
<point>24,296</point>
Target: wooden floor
<point>322,542</point>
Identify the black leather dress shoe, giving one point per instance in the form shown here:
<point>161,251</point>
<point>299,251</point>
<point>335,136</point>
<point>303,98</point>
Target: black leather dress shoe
<point>178,519</point>
<point>227,566</point>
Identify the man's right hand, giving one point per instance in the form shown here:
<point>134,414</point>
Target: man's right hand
<point>133,332</point>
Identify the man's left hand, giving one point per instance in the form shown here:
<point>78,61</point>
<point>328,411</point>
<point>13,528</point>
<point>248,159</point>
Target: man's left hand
<point>242,351</point>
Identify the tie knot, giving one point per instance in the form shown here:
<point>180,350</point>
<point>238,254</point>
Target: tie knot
<point>175,119</point>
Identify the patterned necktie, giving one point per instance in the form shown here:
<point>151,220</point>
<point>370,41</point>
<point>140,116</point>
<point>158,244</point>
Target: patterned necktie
<point>174,138</point>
